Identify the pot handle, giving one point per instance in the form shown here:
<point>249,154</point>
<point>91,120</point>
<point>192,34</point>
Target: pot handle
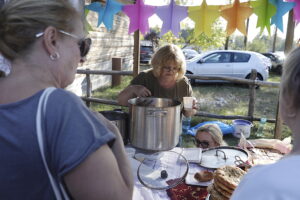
<point>154,113</point>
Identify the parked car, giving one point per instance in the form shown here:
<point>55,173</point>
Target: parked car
<point>146,53</point>
<point>230,63</point>
<point>189,53</point>
<point>277,60</point>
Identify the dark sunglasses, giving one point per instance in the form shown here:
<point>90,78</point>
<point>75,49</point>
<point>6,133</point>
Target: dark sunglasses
<point>168,69</point>
<point>203,144</point>
<point>84,44</point>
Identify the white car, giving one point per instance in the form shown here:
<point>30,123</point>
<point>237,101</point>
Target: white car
<point>230,63</point>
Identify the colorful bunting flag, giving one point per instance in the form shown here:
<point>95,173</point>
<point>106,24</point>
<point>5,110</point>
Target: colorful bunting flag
<point>96,7</point>
<point>139,14</point>
<point>268,12</point>
<point>264,11</point>
<point>282,8</point>
<point>236,15</point>
<point>171,16</point>
<point>204,16</point>
<point>105,12</point>
<point>296,10</point>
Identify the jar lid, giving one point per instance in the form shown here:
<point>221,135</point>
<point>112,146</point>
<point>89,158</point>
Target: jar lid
<point>162,170</point>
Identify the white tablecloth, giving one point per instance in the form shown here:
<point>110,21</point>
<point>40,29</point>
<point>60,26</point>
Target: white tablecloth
<point>141,192</point>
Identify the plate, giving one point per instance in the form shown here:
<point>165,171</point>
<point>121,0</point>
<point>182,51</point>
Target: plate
<point>221,156</point>
<point>190,180</point>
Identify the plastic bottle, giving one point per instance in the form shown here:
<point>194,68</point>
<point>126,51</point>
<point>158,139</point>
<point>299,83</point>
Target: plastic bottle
<point>186,124</point>
<point>259,132</point>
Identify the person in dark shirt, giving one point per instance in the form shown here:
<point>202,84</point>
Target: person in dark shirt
<point>165,80</point>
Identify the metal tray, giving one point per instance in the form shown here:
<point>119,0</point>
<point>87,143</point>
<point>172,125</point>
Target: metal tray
<point>220,156</point>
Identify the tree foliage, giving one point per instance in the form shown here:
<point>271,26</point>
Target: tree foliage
<point>153,36</point>
<point>187,38</point>
<point>204,42</point>
<point>261,43</point>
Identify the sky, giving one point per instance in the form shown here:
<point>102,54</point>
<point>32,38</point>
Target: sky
<point>252,31</point>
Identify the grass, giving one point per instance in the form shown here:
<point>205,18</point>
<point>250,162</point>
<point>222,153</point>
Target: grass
<point>110,93</point>
<point>223,99</point>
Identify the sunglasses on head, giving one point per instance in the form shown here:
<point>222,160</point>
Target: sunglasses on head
<point>204,144</point>
<point>83,43</point>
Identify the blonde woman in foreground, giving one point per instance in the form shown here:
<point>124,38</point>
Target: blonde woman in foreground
<point>45,42</point>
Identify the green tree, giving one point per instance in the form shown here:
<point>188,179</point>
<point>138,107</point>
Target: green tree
<point>170,38</point>
<point>260,44</point>
<point>280,43</point>
<point>153,36</point>
<point>216,40</point>
<point>237,42</point>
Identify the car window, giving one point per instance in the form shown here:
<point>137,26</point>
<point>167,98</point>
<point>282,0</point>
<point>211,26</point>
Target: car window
<point>146,48</point>
<point>241,57</point>
<point>272,57</point>
<point>220,57</point>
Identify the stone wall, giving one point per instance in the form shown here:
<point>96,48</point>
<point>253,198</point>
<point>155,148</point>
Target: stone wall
<point>105,45</point>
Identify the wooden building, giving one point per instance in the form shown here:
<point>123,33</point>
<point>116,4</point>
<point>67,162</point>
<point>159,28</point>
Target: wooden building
<point>105,46</point>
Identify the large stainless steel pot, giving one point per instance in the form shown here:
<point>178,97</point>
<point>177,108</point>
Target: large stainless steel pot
<point>155,123</point>
<point>121,120</point>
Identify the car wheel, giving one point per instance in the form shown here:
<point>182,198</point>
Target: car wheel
<point>192,81</point>
<point>279,69</point>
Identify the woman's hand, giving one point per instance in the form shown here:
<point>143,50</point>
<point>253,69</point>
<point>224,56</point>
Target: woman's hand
<point>141,91</point>
<point>191,112</point>
<point>132,91</point>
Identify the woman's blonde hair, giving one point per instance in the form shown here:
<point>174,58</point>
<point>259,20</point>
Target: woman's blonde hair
<point>21,20</point>
<point>166,54</point>
<point>214,131</point>
<point>290,80</point>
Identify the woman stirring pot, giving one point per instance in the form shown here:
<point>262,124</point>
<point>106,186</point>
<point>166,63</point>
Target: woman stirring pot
<point>165,80</point>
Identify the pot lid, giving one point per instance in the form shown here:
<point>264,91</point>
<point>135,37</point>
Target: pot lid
<point>162,170</point>
<point>221,156</point>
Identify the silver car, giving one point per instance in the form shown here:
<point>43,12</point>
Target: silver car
<point>232,63</point>
<point>190,53</point>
